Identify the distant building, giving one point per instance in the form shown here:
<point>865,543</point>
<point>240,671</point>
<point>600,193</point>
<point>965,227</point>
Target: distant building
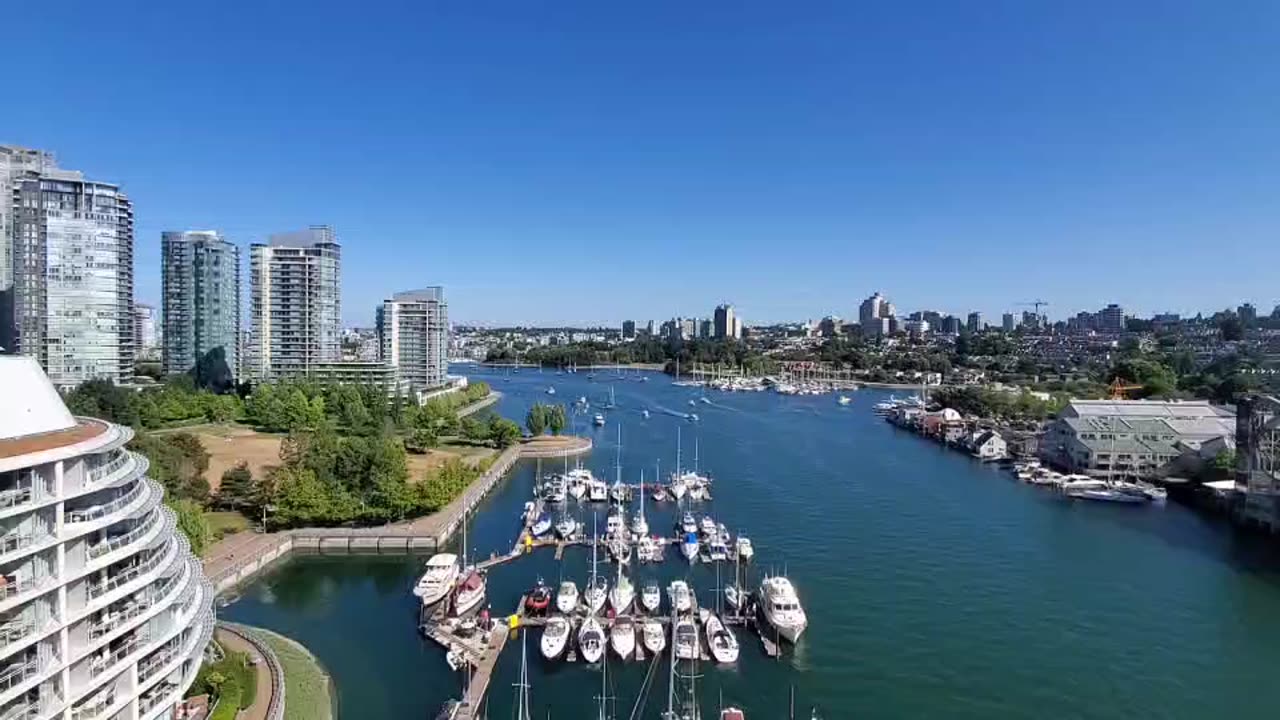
<point>1032,321</point>
<point>1248,314</point>
<point>706,329</point>
<point>1111,319</point>
<point>355,372</point>
<point>975,322</point>
<point>146,336</point>
<point>830,326</point>
<point>15,163</point>
<point>413,335</point>
<point>72,270</point>
<point>200,299</point>
<point>628,329</point>
<point>916,328</point>
<point>723,319</point>
<point>873,315</point>
<point>1165,320</point>
<point>951,325</point>
<point>1008,323</point>
<point>648,328</point>
<point>295,303</point>
<point>737,328</point>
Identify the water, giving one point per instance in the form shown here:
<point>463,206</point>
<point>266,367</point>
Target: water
<point>935,586</point>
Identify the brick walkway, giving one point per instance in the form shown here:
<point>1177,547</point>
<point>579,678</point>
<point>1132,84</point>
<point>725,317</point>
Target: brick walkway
<point>261,701</point>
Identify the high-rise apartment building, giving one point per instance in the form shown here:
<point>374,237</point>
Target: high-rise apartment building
<point>200,278</point>
<point>1111,319</point>
<point>72,269</point>
<point>723,321</point>
<point>294,297</point>
<point>974,322</point>
<point>413,332</point>
<point>1008,322</point>
<point>872,314</point>
<point>146,333</point>
<point>15,162</point>
<point>106,609</point>
<point>628,329</point>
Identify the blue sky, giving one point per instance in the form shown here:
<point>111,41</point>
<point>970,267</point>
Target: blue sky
<point>588,162</point>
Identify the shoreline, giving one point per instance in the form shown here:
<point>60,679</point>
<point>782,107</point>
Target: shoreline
<point>285,649</point>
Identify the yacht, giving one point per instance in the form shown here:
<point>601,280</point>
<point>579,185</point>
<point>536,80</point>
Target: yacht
<point>539,599</point>
<point>688,524</point>
<point>578,479</point>
<point>681,596</point>
<point>1116,492</point>
<point>845,400</point>
<point>566,526</point>
<point>690,547</point>
<point>555,637</point>
<point>542,525</point>
<point>651,597</point>
<point>599,420</point>
<point>469,593</point>
<point>717,550</point>
<point>567,597</point>
<point>708,526</point>
<point>782,607</point>
<point>597,491</point>
<point>654,636</point>
<point>647,550</point>
<point>684,639</point>
<point>551,391</point>
<point>622,636</point>
<point>618,492</point>
<point>439,578</point>
<point>554,490</point>
<point>591,639</point>
<point>622,594</point>
<point>720,639</point>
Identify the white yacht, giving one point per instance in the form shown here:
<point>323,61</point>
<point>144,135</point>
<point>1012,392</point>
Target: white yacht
<point>684,639</point>
<point>622,594</point>
<point>616,524</point>
<point>647,550</point>
<point>681,596</point>
<point>439,578</point>
<point>542,525</point>
<point>654,636</point>
<point>567,597</point>
<point>782,607</point>
<point>688,524</point>
<point>591,639</point>
<point>717,550</point>
<point>469,593</point>
<point>555,637</point>
<point>597,491</point>
<point>622,636</point>
<point>578,481</point>
<point>618,492</point>
<point>566,526</point>
<point>708,526</point>
<point>845,400</point>
<point>651,597</point>
<point>599,420</point>
<point>551,391</point>
<point>639,525</point>
<point>720,639</point>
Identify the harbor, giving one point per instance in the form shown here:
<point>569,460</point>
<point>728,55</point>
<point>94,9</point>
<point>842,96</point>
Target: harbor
<point>936,586</point>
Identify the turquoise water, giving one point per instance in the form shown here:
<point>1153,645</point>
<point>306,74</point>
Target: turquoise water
<point>935,586</point>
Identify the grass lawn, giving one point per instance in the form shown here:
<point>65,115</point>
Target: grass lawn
<point>223,523</point>
<point>307,693</point>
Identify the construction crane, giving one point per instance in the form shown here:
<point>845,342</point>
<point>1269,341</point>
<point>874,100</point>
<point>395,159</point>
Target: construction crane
<point>1120,390</point>
<point>1037,304</point>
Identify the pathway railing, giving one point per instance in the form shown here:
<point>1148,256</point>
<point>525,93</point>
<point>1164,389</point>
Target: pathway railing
<point>275,708</point>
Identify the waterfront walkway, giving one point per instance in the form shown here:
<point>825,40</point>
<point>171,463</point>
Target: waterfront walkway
<point>268,702</point>
<point>236,557</point>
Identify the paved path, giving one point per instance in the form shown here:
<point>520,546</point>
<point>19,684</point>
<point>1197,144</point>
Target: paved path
<point>266,690</point>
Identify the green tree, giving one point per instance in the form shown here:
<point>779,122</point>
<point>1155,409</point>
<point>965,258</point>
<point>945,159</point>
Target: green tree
<point>192,523</point>
<point>503,432</point>
<point>236,489</point>
<point>536,420</point>
<point>1230,328</point>
<point>556,419</point>
<point>301,498</point>
<point>474,430</point>
<point>420,440</point>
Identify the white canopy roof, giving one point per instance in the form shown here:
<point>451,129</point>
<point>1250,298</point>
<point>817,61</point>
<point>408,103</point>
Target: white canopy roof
<point>29,404</point>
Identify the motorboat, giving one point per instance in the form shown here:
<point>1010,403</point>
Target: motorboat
<point>681,596</point>
<point>644,414</point>
<point>735,597</point>
<point>616,524</point>
<point>1112,492</point>
<point>690,547</point>
<point>693,403</point>
<point>654,636</point>
<point>651,597</point>
<point>693,417</point>
<point>597,491</point>
<point>622,636</point>
<point>688,524</point>
<point>566,526</point>
<point>845,400</point>
<point>438,579</point>
<point>782,607</point>
<point>704,400</point>
<point>554,490</point>
<point>622,594</point>
<point>717,550</point>
<point>567,597</point>
<point>469,593</point>
<point>539,598</point>
<point>555,637</point>
<point>720,639</point>
<point>646,549</point>
<point>591,639</point>
<point>732,713</point>
<point>551,391</point>
<point>456,657</point>
<point>618,492</point>
<point>577,484</point>
<point>542,525</point>
<point>599,420</point>
<point>684,639</point>
<point>708,526</point>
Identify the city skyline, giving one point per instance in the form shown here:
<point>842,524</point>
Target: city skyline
<point>949,175</point>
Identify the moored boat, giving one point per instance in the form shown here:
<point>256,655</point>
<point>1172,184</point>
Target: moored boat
<point>438,579</point>
<point>567,597</point>
<point>622,594</point>
<point>539,598</point>
<point>684,639</point>
<point>555,637</point>
<point>622,636</point>
<point>781,607</point>
<point>591,639</point>
<point>469,593</point>
<point>720,640</point>
<point>651,597</point>
<point>542,525</point>
<point>653,635</point>
<point>690,547</point>
<point>681,596</point>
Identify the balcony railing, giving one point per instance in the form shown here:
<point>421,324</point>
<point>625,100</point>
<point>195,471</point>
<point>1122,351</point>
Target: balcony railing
<point>127,576</point>
<point>110,545</point>
<point>16,541</point>
<point>29,710</point>
<point>157,660</point>
<point>100,663</point>
<point>95,706</point>
<point>15,674</point>
<point>14,497</point>
<point>15,630</point>
<point>155,696</point>
<point>17,587</point>
<point>100,511</point>
<point>103,470</point>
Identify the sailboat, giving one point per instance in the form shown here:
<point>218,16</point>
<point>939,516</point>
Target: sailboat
<point>623,637</point>
<point>640,526</point>
<point>591,639</point>
<point>654,636</point>
<point>555,637</point>
<point>523,706</point>
<point>720,639</point>
<point>597,587</point>
<point>622,594</point>
<point>470,589</point>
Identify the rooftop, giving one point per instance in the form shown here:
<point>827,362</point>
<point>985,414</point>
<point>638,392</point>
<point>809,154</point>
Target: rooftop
<point>1146,408</point>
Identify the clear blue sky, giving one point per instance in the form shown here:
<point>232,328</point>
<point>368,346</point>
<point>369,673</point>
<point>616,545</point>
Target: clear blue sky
<point>595,161</point>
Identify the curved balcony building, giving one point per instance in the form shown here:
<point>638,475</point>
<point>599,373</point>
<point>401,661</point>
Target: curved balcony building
<point>104,610</point>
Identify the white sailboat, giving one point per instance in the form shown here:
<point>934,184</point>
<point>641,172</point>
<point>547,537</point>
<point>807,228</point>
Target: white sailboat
<point>469,591</point>
<point>591,639</point>
<point>567,597</point>
<point>597,587</point>
<point>654,636</point>
<point>720,639</point>
<point>639,525</point>
<point>622,594</point>
<point>524,707</point>
<point>622,636</point>
<point>680,595</point>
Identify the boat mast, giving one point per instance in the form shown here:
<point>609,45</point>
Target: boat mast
<point>677,451</point>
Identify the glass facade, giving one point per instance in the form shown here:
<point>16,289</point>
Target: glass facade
<point>295,309</point>
<point>413,332</point>
<point>201,296</point>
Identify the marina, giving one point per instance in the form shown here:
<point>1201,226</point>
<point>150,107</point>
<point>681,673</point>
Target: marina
<point>934,586</point>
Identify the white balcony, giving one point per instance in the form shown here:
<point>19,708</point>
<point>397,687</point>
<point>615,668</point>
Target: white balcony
<point>103,662</point>
<point>133,611</point>
<point>159,526</point>
<point>23,675</point>
<point>106,510</point>
<point>23,711</point>
<point>15,497</point>
<point>19,543</point>
<point>131,578</point>
<point>106,547</point>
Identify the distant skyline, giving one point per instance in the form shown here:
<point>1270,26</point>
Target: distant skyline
<point>578,163</point>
